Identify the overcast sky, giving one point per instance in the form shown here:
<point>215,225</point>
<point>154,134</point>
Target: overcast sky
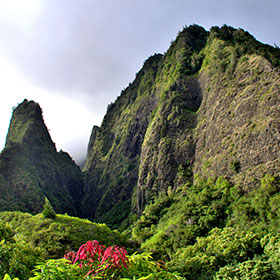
<point>74,57</point>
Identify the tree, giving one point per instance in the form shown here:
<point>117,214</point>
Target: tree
<point>48,211</point>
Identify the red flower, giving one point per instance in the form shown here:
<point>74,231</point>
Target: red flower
<point>93,255</point>
<point>115,256</point>
<point>90,251</point>
<point>70,255</point>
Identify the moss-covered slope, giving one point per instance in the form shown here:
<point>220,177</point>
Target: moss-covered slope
<point>114,149</point>
<point>208,106</point>
<point>31,168</point>
<point>233,129</point>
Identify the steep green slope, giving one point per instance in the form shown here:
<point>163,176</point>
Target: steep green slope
<point>208,106</point>
<point>115,148</point>
<point>31,168</point>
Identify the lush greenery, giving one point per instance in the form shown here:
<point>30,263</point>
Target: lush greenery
<point>17,257</point>
<point>91,261</point>
<point>214,229</point>
<point>94,261</point>
<point>115,148</point>
<point>27,239</point>
<point>48,211</point>
<point>207,230</point>
<point>177,165</point>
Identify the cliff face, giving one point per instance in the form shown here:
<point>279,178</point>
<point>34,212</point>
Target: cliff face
<point>209,106</point>
<point>31,168</point>
<point>238,127</point>
<point>114,150</point>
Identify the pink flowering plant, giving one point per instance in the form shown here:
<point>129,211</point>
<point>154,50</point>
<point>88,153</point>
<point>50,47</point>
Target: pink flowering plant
<point>94,261</point>
<point>93,258</point>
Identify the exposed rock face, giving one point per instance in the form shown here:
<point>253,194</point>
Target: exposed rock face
<point>209,107</point>
<point>31,168</point>
<point>169,147</point>
<point>238,122</point>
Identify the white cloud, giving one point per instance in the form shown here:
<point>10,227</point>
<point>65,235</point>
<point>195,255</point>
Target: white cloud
<point>19,10</point>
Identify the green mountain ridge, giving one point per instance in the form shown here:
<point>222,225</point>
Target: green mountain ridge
<point>185,163</point>
<point>208,106</point>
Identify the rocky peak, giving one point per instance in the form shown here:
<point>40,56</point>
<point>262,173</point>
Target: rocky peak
<point>31,168</point>
<point>27,126</point>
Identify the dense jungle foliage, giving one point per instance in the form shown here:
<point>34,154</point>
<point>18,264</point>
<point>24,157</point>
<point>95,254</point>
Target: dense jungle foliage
<point>214,229</point>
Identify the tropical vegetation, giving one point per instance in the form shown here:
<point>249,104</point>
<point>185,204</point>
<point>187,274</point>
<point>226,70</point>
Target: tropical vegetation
<point>181,178</point>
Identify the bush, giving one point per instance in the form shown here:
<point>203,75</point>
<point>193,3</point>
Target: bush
<point>218,249</point>
<point>175,221</point>
<point>6,232</point>
<point>59,270</point>
<point>18,259</point>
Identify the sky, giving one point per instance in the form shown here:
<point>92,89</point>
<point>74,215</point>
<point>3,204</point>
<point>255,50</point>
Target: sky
<point>74,57</point>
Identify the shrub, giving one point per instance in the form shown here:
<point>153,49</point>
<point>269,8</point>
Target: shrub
<point>218,249</point>
<point>5,232</point>
<point>17,259</point>
<point>252,269</point>
<point>96,260</point>
<point>235,166</point>
<point>60,269</point>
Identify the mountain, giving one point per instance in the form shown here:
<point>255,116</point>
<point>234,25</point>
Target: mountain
<point>31,168</point>
<point>185,162</point>
<point>208,107</point>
